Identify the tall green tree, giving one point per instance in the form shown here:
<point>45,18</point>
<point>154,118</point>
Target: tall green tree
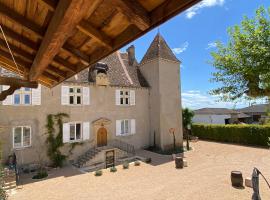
<point>243,65</point>
<point>187,116</point>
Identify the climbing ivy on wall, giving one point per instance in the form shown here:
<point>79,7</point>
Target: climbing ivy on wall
<point>54,140</point>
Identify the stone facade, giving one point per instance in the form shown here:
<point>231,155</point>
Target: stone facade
<point>155,107</point>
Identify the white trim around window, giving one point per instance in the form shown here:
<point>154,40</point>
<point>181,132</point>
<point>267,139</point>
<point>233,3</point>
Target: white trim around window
<point>125,127</point>
<point>125,97</point>
<point>21,137</point>
<point>76,132</point>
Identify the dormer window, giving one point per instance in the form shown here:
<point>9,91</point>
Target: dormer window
<point>75,96</point>
<point>124,97</point>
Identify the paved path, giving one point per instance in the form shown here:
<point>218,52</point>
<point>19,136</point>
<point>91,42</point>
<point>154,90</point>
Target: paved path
<point>206,178</point>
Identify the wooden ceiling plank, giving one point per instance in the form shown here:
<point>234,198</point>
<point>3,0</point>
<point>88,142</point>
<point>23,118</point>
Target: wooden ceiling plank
<point>20,38</point>
<point>65,64</point>
<point>136,13</point>
<point>50,4</point>
<point>74,51</point>
<point>17,50</point>
<point>94,33</point>
<point>55,71</point>
<point>50,76</point>
<point>168,9</point>
<point>19,19</point>
<point>67,15</point>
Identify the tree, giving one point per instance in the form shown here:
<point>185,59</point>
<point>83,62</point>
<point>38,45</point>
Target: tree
<point>187,117</point>
<point>243,66</point>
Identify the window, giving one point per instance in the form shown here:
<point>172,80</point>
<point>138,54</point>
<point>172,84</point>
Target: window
<point>75,131</point>
<point>21,136</point>
<point>75,96</point>
<point>124,97</point>
<point>22,96</point>
<point>125,127</point>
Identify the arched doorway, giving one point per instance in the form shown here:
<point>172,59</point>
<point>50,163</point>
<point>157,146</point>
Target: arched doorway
<point>102,137</point>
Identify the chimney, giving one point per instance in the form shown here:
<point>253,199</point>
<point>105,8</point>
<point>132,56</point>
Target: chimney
<point>131,54</point>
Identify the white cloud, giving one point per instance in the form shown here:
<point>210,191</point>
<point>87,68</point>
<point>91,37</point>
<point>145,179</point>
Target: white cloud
<point>181,49</point>
<point>195,99</point>
<point>191,12</point>
<point>211,45</point>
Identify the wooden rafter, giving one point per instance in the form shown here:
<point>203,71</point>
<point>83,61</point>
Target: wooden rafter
<point>27,24</point>
<point>14,84</point>
<point>17,18</point>
<point>98,35</point>
<point>67,15</point>
<point>24,66</point>
<point>49,31</point>
<point>134,11</point>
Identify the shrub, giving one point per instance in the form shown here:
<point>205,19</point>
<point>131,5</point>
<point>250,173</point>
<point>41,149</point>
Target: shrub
<point>148,160</point>
<point>98,173</point>
<point>137,163</point>
<point>40,175</point>
<point>125,165</point>
<point>113,169</point>
<point>256,135</point>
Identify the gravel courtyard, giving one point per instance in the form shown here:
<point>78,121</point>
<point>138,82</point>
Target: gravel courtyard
<point>206,177</point>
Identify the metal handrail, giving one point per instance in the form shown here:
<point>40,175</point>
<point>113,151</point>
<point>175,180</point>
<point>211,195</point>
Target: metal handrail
<point>123,146</point>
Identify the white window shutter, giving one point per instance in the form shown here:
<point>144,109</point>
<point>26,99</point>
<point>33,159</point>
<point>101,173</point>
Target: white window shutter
<point>86,130</point>
<point>66,132</point>
<point>65,95</point>
<point>132,97</point>
<point>117,97</point>
<point>9,98</point>
<point>36,96</point>
<point>86,96</point>
<point>118,127</point>
<point>133,126</point>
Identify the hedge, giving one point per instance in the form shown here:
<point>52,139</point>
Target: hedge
<point>256,135</point>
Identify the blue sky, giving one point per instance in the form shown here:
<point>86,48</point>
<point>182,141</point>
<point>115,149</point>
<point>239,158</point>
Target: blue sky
<point>192,35</point>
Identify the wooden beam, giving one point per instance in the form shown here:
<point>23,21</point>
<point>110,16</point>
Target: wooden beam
<point>67,65</point>
<point>76,52</point>
<point>20,38</point>
<point>17,82</point>
<point>97,35</point>
<point>17,18</point>
<point>17,51</point>
<point>135,12</point>
<point>9,91</point>
<point>50,4</point>
<point>34,28</point>
<point>169,9</point>
<point>24,66</point>
<point>32,45</point>
<point>67,15</point>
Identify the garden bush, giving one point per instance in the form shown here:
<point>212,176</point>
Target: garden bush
<point>113,169</point>
<point>125,165</point>
<point>98,173</point>
<point>255,135</point>
<point>137,163</point>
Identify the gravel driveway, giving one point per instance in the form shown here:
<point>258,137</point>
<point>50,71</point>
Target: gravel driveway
<point>206,177</point>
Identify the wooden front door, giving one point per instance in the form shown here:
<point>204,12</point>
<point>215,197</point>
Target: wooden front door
<point>102,137</point>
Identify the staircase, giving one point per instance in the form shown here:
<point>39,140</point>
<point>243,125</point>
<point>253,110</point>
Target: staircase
<point>88,155</point>
<point>94,151</point>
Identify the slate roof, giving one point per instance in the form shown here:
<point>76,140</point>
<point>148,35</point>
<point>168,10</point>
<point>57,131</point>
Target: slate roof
<point>159,49</point>
<point>259,108</point>
<point>215,111</point>
<point>119,73</point>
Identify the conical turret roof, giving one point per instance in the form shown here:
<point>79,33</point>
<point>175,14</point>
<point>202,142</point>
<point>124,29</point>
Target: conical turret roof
<point>159,49</point>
